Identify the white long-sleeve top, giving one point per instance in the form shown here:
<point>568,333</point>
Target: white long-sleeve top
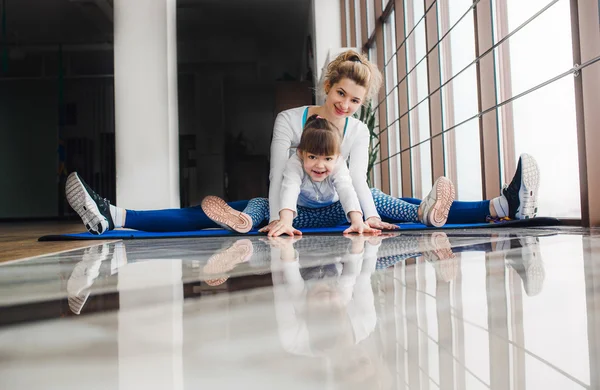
<point>297,188</point>
<point>355,151</point>
<point>354,286</point>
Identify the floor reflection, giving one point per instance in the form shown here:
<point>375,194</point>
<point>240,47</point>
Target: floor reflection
<point>499,310</point>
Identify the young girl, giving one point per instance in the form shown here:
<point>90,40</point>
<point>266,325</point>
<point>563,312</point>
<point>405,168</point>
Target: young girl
<point>314,179</point>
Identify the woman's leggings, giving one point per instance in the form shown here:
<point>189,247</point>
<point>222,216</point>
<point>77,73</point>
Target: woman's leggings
<point>391,210</point>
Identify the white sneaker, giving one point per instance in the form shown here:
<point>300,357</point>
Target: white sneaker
<point>435,207</point>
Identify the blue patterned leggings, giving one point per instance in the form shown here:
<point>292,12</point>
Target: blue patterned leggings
<point>333,215</point>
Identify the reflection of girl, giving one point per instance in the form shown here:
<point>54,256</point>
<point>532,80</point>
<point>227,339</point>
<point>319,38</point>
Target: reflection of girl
<point>328,310</point>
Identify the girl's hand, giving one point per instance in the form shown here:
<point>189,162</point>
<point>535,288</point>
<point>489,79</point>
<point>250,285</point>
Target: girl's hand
<point>280,228</point>
<point>360,228</point>
<point>377,223</point>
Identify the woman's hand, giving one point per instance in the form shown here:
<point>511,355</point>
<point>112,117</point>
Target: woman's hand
<point>377,223</point>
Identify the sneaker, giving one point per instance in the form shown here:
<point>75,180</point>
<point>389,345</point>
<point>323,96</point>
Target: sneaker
<point>437,250</point>
<point>83,276</point>
<point>435,207</point>
<point>91,207</point>
<point>525,258</point>
<point>225,216</point>
<point>224,261</point>
<point>521,193</point>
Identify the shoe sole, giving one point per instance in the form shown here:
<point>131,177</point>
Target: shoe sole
<point>530,182</point>
<point>221,213</point>
<point>225,261</point>
<point>444,196</point>
<point>84,205</point>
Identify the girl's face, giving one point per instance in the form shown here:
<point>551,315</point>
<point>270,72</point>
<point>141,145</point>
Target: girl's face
<point>318,167</point>
<point>344,98</point>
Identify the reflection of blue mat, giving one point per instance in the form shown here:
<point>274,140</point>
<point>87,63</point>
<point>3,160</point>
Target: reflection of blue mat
<point>134,234</point>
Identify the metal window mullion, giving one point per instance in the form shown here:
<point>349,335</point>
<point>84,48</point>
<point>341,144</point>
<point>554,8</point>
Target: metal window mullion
<point>435,98</point>
<point>449,119</point>
<point>343,23</point>
<point>586,45</point>
<point>407,188</point>
<point>364,30</point>
<point>352,12</point>
<point>486,85</point>
<point>382,110</point>
<point>505,92</point>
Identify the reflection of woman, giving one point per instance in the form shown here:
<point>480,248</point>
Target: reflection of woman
<point>328,310</point>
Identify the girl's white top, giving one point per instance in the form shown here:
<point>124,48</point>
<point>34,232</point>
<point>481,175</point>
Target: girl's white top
<point>297,188</point>
<point>355,151</point>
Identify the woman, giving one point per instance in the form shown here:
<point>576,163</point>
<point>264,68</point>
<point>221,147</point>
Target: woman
<point>350,81</point>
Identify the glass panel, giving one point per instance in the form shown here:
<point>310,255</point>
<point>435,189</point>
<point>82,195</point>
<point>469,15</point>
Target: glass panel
<point>389,37</point>
<point>457,49</point>
<point>519,12</point>
<point>544,121</point>
<point>542,49</point>
<point>394,161</point>
<point>463,158</point>
<point>421,169</point>
<point>459,98</point>
<point>450,12</point>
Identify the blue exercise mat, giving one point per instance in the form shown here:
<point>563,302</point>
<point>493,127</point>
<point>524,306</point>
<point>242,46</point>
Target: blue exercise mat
<point>135,234</point>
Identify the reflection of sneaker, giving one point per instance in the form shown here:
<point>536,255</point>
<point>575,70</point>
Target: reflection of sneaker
<point>526,259</point>
<point>226,260</point>
<point>93,209</point>
<point>522,191</point>
<point>83,276</point>
<point>435,207</point>
<point>223,215</point>
<point>437,250</point>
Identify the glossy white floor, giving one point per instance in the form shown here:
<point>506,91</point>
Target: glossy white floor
<point>479,309</point>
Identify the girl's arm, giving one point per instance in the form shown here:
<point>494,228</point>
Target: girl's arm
<point>290,190</point>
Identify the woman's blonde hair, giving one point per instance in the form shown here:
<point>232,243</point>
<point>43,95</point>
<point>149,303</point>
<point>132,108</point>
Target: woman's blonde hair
<point>356,67</point>
<point>320,137</point>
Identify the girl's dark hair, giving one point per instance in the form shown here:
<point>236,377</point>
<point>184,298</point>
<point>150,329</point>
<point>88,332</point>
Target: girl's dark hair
<point>320,137</point>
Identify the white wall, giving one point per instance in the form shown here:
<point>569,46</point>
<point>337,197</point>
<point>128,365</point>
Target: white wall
<point>327,34</point>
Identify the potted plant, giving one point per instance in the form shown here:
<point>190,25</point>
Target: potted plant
<point>367,115</point>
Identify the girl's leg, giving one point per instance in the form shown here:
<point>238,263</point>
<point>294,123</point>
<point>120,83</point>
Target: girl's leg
<point>174,220</point>
<point>332,215</point>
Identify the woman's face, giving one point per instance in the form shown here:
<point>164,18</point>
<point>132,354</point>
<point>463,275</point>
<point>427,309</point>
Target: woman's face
<point>344,98</point>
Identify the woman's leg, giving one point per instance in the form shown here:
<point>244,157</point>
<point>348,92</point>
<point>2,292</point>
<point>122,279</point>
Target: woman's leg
<point>254,214</point>
<point>174,220</point>
<point>394,209</point>
<point>432,211</point>
<point>99,215</point>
